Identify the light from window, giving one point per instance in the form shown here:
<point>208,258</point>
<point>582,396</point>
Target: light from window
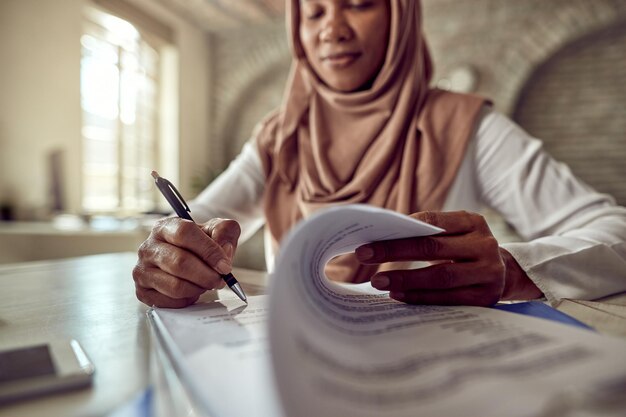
<point>119,96</point>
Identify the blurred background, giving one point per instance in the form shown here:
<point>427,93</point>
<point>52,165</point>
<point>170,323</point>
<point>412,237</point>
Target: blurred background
<point>94,94</point>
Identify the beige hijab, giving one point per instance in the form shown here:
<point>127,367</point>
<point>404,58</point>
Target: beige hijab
<point>397,145</point>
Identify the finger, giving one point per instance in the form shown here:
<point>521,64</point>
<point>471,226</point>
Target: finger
<point>478,295</point>
<point>225,232</point>
<point>452,222</point>
<point>428,248</point>
<point>442,276</point>
<point>167,284</point>
<point>187,235</point>
<point>152,298</point>
<point>177,262</point>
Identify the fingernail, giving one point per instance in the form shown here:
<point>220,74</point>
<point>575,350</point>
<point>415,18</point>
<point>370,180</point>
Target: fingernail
<point>381,282</point>
<point>223,266</point>
<point>364,253</point>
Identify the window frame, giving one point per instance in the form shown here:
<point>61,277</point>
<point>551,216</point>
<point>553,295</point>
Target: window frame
<point>148,199</point>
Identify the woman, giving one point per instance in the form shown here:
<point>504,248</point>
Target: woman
<point>360,125</point>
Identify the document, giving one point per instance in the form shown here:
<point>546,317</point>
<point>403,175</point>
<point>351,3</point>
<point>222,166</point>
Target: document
<point>222,358</point>
<point>318,348</point>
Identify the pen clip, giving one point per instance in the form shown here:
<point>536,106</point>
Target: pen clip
<point>177,194</point>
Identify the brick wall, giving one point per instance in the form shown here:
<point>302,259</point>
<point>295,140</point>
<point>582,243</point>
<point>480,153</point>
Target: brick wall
<point>576,103</point>
<point>505,40</point>
<point>251,67</point>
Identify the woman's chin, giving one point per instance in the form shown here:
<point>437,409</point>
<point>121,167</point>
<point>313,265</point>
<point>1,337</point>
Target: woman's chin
<point>347,85</point>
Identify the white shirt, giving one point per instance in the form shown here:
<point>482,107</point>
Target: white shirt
<point>576,237</point>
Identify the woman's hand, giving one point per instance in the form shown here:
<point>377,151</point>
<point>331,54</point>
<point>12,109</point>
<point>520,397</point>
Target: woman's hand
<point>469,268</point>
<point>180,260</point>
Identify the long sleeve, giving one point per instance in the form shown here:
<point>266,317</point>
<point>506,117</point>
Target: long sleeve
<point>236,194</point>
<point>576,236</point>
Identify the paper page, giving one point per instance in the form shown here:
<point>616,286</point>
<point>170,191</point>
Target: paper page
<point>338,351</point>
<point>222,351</point>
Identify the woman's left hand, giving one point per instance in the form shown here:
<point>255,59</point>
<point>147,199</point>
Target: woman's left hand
<point>469,267</point>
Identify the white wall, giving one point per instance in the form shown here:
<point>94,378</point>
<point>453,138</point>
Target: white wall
<point>40,98</point>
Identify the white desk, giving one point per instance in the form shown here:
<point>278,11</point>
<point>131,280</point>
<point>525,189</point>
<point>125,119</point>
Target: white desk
<point>91,299</point>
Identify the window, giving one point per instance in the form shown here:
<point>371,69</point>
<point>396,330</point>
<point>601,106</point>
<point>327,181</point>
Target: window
<point>121,92</point>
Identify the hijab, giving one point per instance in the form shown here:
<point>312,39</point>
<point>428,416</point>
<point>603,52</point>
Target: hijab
<point>397,145</point>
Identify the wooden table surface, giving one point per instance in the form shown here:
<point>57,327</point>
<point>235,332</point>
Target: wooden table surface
<point>90,299</point>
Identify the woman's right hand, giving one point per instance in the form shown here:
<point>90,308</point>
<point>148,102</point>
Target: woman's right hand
<point>180,260</point>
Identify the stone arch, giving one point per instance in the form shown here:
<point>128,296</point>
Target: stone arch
<point>543,38</point>
<point>268,87</point>
<point>522,65</point>
<point>574,102</point>
<point>261,71</point>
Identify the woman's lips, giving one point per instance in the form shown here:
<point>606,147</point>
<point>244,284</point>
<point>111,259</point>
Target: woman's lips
<point>341,60</point>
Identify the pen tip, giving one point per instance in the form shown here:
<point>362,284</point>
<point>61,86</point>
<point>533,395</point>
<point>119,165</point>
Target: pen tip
<point>154,174</point>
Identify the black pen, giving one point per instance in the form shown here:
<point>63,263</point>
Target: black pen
<point>181,208</point>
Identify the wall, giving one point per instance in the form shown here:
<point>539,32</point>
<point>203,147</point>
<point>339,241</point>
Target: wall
<point>250,71</point>
<point>40,98</point>
<point>505,40</point>
<point>583,123</point>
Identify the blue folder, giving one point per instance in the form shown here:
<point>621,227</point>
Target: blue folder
<point>541,310</point>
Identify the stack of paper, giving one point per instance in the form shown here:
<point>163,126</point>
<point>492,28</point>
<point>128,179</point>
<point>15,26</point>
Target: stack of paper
<point>329,350</point>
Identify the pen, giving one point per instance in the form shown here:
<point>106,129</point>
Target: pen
<point>181,208</point>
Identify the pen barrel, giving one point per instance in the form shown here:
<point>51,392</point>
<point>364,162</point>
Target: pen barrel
<point>181,212</point>
<point>164,186</point>
<point>229,279</point>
